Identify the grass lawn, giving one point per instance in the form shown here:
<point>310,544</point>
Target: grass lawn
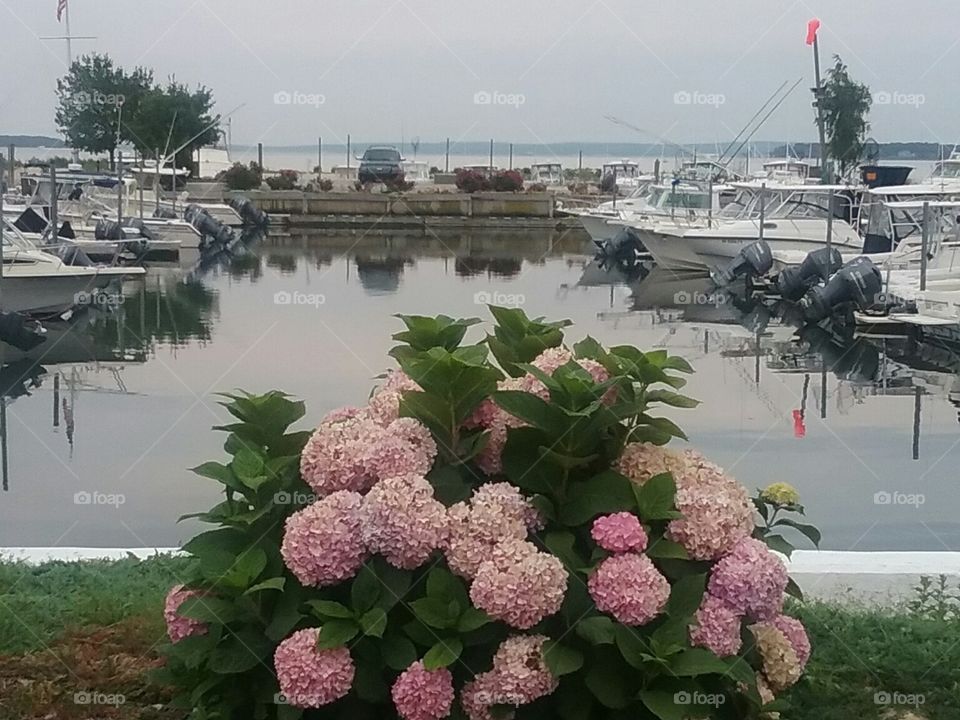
<point>68,628</point>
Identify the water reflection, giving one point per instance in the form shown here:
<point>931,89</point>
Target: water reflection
<point>121,402</point>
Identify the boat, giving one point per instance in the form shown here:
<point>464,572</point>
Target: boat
<point>416,171</point>
<point>626,173</point>
<point>546,173</point>
<point>37,282</point>
<point>795,220</point>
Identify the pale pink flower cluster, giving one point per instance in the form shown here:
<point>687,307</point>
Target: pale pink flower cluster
<point>716,627</point>
<point>350,450</point>
<point>518,584</point>
<point>309,677</point>
<point>781,664</point>
<point>796,634</point>
<point>619,533</point>
<point>717,512</point>
<point>421,694</point>
<point>323,543</point>
<point>179,627</point>
<point>519,676</point>
<point>630,588</point>
<point>751,580</point>
<point>551,359</point>
<point>385,402</point>
<point>496,512</point>
<point>403,522</point>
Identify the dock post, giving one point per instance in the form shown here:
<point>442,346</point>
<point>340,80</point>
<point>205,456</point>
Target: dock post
<point>446,162</point>
<point>924,245</point>
<point>491,155</point>
<point>763,209</point>
<point>53,203</point>
<point>580,161</point>
<point>120,189</point>
<point>348,151</point>
<point>260,155</point>
<point>826,268</point>
<point>916,423</point>
<point>510,165</point>
<point>11,154</point>
<point>319,156</point>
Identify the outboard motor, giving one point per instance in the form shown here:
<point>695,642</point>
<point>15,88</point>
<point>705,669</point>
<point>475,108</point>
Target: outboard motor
<point>249,213</point>
<point>754,260</point>
<point>165,214</point>
<point>140,226</point>
<point>213,230</point>
<point>108,230</point>
<point>794,282</point>
<point>858,282</point>
<point>72,255</point>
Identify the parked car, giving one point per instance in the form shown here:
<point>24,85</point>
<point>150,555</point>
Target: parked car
<point>380,164</point>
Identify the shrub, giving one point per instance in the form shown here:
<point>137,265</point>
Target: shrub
<point>536,188</point>
<point>489,535</point>
<point>321,185</point>
<point>285,180</point>
<point>471,181</point>
<point>506,181</point>
<point>240,177</point>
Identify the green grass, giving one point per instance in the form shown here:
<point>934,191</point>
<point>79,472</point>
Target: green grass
<point>38,603</point>
<point>857,652</point>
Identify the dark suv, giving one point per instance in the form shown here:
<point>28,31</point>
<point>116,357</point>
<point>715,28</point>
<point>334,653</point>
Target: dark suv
<point>380,164</point>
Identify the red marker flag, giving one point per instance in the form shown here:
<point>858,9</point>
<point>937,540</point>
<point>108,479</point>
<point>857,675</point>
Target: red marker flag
<point>812,27</point>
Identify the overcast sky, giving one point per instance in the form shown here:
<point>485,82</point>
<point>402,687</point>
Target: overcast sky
<point>691,70</point>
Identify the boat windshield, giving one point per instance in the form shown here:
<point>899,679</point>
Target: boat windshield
<point>948,170</point>
<point>685,197</point>
<point>807,204</point>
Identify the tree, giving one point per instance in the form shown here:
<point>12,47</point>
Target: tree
<point>845,104</point>
<point>95,100</point>
<point>173,116</point>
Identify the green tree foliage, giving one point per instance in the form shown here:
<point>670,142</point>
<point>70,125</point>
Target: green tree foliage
<point>845,104</point>
<point>178,113</point>
<point>96,99</point>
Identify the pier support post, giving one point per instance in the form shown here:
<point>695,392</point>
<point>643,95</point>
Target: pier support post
<point>924,245</point>
<point>11,156</point>
<point>260,155</point>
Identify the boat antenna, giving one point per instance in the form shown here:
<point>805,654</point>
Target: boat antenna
<point>765,118</point>
<point>750,121</point>
<point>623,123</point>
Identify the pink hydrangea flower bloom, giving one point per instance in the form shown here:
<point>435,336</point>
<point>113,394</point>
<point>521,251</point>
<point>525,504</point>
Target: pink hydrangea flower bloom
<point>619,533</point>
<point>421,694</point>
<point>630,588</point>
<point>351,451</point>
<point>385,402</point>
<point>323,543</point>
<point>477,697</point>
<point>751,580</point>
<point>496,512</point>
<point>716,628</point>
<point>310,678</point>
<point>796,634</point>
<point>179,627</point>
<point>781,666</point>
<point>519,585</point>
<point>403,522</point>
<point>520,672</point>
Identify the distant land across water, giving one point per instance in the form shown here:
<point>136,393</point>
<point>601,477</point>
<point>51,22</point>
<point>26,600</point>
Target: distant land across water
<point>888,151</point>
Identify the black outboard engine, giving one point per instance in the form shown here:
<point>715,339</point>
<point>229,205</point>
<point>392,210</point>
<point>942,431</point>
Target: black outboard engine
<point>754,260</point>
<point>108,230</point>
<point>858,282</point>
<point>72,255</point>
<point>139,225</point>
<point>794,282</point>
<point>165,214</point>
<point>214,231</point>
<point>249,213</point>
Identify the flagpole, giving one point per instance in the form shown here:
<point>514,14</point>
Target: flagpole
<point>66,9</point>
<point>818,94</point>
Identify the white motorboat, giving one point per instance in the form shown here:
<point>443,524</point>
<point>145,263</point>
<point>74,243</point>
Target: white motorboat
<point>797,221</point>
<point>550,174</point>
<point>38,282</point>
<point>416,171</point>
<point>626,173</point>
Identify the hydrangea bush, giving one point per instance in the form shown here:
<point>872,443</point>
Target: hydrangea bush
<point>502,531</point>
